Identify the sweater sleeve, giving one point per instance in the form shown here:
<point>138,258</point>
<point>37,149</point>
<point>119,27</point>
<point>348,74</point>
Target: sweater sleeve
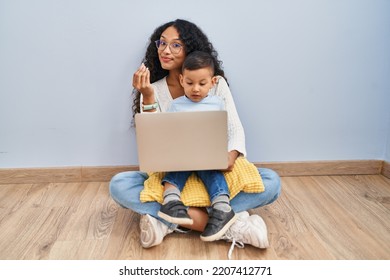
<point>236,134</point>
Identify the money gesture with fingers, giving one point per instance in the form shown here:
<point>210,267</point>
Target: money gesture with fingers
<point>141,81</point>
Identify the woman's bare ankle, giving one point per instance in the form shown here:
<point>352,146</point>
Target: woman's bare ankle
<point>200,218</point>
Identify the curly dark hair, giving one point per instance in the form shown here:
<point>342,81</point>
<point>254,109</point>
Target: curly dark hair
<point>194,40</point>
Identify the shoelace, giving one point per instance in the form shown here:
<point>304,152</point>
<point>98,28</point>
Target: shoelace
<point>234,244</point>
<point>229,237</point>
<point>180,229</point>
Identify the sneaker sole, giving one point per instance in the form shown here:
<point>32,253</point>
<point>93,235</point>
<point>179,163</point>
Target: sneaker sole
<point>174,220</point>
<point>220,233</point>
<point>147,238</point>
<point>261,224</point>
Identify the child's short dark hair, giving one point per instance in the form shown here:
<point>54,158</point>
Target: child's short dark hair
<point>197,60</point>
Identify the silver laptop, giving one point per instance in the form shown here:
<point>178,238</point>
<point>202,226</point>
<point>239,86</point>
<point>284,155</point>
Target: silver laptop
<point>178,141</point>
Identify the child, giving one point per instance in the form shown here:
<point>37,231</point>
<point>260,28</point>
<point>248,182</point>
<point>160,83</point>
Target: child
<point>197,79</point>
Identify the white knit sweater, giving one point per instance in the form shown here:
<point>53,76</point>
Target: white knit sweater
<point>236,135</point>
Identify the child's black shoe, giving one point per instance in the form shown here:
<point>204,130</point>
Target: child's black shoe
<point>219,222</point>
<point>175,212</point>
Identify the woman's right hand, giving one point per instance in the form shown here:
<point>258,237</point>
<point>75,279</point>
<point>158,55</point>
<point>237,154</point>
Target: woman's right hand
<point>141,82</point>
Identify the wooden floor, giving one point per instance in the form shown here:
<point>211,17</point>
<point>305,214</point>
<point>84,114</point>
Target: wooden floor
<point>323,217</point>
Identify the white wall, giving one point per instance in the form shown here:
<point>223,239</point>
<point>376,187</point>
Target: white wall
<point>310,78</point>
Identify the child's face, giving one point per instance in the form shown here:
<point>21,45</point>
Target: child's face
<point>197,83</point>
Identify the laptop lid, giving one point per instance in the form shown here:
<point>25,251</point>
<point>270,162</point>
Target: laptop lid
<point>178,141</point>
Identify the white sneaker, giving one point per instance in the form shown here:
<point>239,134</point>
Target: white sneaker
<point>248,229</point>
<point>153,231</point>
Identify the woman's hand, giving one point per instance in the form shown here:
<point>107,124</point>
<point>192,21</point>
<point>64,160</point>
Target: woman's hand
<point>232,156</point>
<point>141,82</point>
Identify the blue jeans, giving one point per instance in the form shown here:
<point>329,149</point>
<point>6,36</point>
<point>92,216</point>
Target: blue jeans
<point>213,180</point>
<point>125,189</point>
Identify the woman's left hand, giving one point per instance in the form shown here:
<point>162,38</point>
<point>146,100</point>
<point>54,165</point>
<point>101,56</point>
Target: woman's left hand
<point>232,156</point>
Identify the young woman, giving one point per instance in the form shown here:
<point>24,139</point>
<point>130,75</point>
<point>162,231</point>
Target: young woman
<point>156,83</point>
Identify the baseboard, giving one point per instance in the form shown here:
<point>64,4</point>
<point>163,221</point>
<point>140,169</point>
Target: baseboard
<point>318,168</point>
<point>386,169</point>
<point>105,173</point>
<point>61,174</point>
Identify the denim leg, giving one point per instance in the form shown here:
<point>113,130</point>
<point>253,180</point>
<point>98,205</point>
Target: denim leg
<point>125,189</point>
<point>246,201</point>
<point>178,179</point>
<point>214,182</point>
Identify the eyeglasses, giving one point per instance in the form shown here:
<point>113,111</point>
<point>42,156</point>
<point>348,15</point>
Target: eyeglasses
<point>174,47</point>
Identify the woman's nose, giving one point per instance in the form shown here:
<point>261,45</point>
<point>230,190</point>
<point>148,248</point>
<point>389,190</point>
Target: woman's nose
<point>167,49</point>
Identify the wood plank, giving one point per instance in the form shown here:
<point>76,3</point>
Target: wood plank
<point>93,215</point>
<point>290,232</point>
<point>321,168</point>
<point>386,169</point>
<point>11,194</point>
<point>361,198</point>
<point>316,217</point>
<point>61,175</point>
<point>124,238</point>
<point>339,230</point>
<point>105,173</point>
<point>90,249</point>
<point>40,175</point>
<point>31,235</point>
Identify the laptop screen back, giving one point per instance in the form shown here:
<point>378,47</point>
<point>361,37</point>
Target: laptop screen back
<point>178,141</point>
